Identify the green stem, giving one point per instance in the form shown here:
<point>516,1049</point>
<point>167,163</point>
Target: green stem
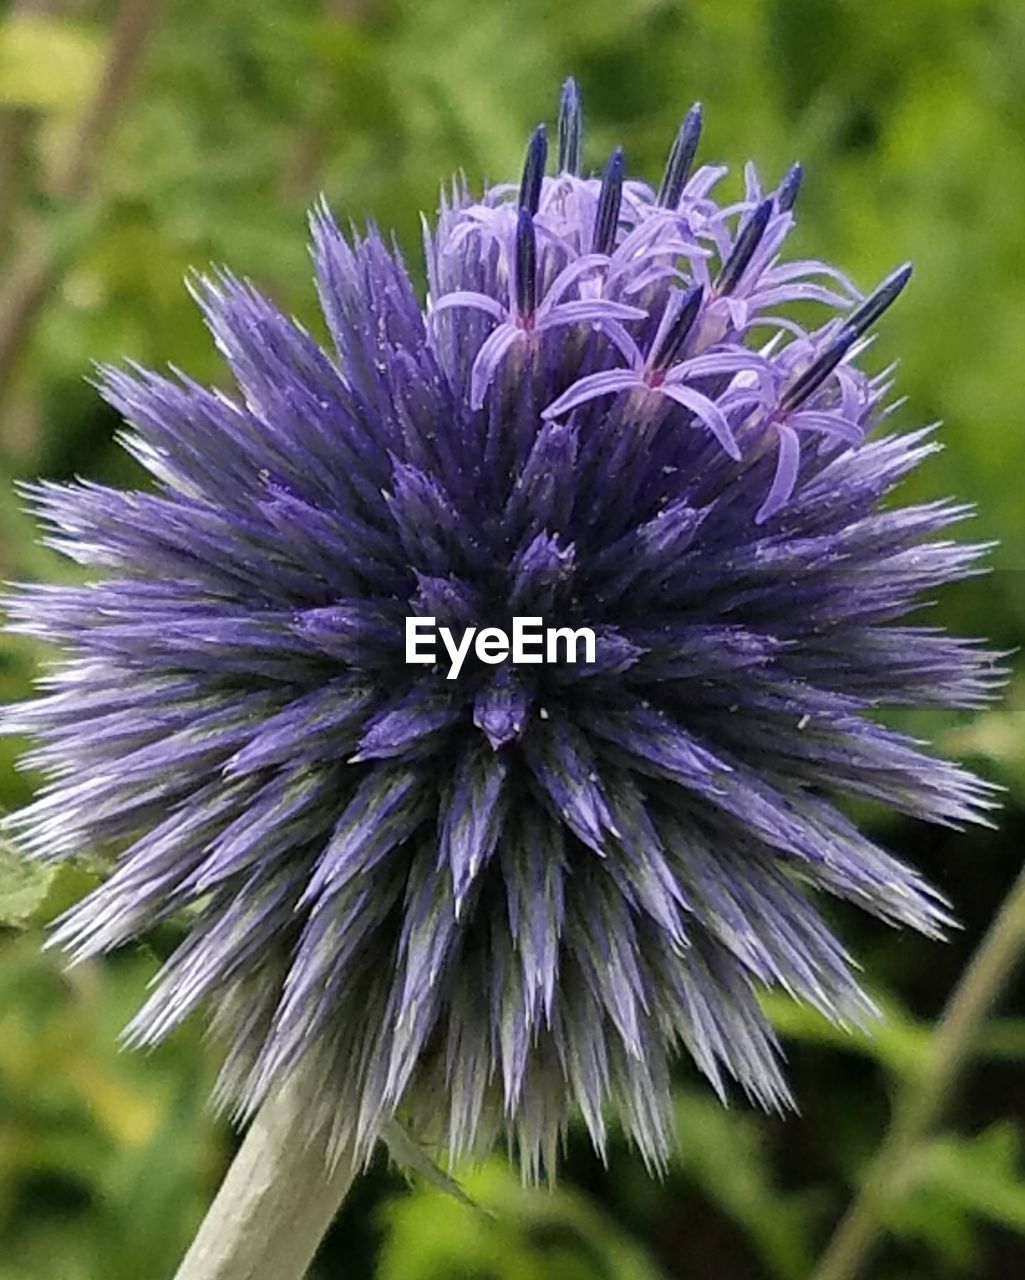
<point>277,1199</point>
<point>923,1098</point>
<point>129,36</point>
<point>35,271</point>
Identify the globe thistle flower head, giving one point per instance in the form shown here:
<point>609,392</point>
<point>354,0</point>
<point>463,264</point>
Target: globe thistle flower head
<point>493,897</point>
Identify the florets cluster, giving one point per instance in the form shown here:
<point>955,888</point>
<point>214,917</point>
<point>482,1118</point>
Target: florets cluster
<point>499,900</point>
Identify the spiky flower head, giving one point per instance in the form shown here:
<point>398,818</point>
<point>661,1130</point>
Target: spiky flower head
<point>501,899</point>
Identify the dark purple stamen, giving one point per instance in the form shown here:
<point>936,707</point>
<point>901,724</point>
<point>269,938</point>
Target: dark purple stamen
<point>534,170</point>
<point>570,128</point>
<point>743,251</point>
<point>681,158</point>
<point>789,188</point>
<point>671,346</point>
<point>863,317</point>
<point>817,372</point>
<point>856,325</point>
<point>606,221</point>
<point>526,265</point>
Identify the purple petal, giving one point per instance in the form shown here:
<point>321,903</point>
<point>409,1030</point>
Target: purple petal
<point>460,298</point>
<point>585,311</point>
<point>706,411</point>
<point>787,462</point>
<point>470,819</point>
<point>592,387</point>
<point>832,424</point>
<point>493,351</point>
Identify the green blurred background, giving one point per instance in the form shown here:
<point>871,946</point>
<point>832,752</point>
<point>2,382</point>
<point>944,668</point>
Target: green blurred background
<point>139,140</point>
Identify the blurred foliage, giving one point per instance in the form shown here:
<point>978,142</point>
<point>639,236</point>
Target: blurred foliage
<point>106,1158</point>
<point>528,1235</point>
<point>910,120</point>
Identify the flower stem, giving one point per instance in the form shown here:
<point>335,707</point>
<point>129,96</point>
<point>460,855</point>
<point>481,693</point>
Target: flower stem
<point>129,36</point>
<point>924,1097</point>
<point>34,272</point>
<point>277,1199</point>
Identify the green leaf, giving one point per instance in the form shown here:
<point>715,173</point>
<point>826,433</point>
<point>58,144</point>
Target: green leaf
<point>722,1152</point>
<point>33,893</point>
<point>534,1235</point>
<point>410,1156</point>
<point>24,886</point>
<point>894,1040</point>
<point>951,1182</point>
<point>46,63</point>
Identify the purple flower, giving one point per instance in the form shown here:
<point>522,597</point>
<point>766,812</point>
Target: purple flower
<point>502,899</point>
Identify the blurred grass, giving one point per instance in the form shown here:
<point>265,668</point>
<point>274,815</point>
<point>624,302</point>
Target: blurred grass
<point>910,120</point>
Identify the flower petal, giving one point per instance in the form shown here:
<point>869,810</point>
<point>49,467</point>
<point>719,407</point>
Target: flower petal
<point>787,462</point>
<point>706,411</point>
<point>592,387</point>
<point>493,351</point>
